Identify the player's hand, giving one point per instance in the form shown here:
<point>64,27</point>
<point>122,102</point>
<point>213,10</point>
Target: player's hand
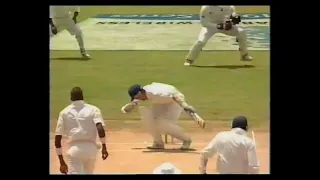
<point>129,107</point>
<point>63,168</point>
<point>220,26</point>
<point>54,30</point>
<point>225,26</point>
<point>75,20</point>
<point>228,25</point>
<point>235,19</point>
<point>189,108</point>
<point>104,153</point>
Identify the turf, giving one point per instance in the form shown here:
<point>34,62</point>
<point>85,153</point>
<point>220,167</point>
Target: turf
<point>222,87</point>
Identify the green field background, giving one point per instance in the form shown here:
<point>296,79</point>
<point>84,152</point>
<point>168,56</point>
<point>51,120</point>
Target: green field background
<point>221,89</point>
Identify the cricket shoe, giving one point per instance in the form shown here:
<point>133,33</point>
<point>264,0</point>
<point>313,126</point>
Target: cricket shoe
<point>188,62</point>
<point>85,56</point>
<point>186,145</point>
<point>246,57</point>
<point>156,146</point>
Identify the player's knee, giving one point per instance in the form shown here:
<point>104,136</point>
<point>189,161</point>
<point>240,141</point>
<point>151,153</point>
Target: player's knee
<point>242,33</point>
<point>201,43</point>
<point>77,32</point>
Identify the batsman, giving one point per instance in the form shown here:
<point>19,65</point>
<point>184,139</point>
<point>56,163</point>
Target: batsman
<point>219,19</point>
<point>167,104</point>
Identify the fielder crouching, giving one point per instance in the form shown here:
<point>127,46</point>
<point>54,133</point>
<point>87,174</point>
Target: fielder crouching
<point>219,19</point>
<point>81,122</point>
<point>161,118</point>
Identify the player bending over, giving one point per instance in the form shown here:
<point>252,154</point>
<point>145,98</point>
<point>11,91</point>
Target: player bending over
<point>82,123</point>
<point>60,18</point>
<point>219,19</point>
<point>162,116</point>
<point>236,152</point>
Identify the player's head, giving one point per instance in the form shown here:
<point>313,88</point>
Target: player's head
<point>137,92</point>
<point>240,122</point>
<point>76,94</point>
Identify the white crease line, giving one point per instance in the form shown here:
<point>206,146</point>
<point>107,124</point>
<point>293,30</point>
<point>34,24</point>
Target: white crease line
<point>139,143</point>
<point>110,143</point>
<point>139,150</point>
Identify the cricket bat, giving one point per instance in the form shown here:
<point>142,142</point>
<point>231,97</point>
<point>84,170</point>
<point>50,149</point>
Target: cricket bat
<point>197,118</point>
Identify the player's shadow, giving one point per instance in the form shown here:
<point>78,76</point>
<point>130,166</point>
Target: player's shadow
<point>225,66</point>
<point>145,150</point>
<point>69,59</point>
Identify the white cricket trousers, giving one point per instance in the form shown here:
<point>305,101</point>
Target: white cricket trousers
<point>162,119</point>
<point>68,24</point>
<point>82,157</point>
<point>206,33</point>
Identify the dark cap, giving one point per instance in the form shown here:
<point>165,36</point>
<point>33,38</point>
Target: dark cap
<point>76,94</point>
<point>240,122</point>
<point>134,90</point>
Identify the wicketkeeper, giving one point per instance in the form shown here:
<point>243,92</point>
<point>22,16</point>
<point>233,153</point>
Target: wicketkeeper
<point>219,19</point>
<point>161,118</point>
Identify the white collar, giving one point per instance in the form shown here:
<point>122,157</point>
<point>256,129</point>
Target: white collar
<point>79,102</point>
<point>239,131</point>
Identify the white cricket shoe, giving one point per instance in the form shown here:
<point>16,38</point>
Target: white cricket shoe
<point>156,146</point>
<point>186,145</point>
<point>188,62</point>
<point>85,56</point>
<point>246,57</point>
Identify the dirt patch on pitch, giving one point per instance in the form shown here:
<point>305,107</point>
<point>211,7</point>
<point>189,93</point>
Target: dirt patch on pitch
<point>128,153</point>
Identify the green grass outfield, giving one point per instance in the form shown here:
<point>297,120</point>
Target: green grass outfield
<point>218,93</point>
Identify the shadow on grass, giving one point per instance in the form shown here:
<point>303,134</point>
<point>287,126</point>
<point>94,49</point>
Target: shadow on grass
<point>225,66</point>
<point>70,59</point>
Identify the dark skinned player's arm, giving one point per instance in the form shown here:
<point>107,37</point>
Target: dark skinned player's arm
<point>50,21</point>
<point>57,143</point>
<point>58,137</point>
<point>76,10</point>
<point>98,120</point>
<point>75,14</point>
<point>102,134</point>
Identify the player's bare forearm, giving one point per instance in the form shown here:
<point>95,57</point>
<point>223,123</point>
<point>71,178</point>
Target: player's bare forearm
<point>75,14</point>
<point>57,143</point>
<point>102,136</point>
<point>61,160</point>
<point>50,21</point>
<point>100,130</point>
<point>129,106</point>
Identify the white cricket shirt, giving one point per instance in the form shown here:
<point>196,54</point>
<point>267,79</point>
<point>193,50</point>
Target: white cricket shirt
<point>63,11</point>
<point>236,152</point>
<point>78,122</point>
<point>210,15</point>
<point>159,93</point>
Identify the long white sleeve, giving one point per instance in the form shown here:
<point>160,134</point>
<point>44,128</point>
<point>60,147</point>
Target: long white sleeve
<point>254,166</point>
<point>75,8</point>
<point>233,11</point>
<point>210,149</point>
<point>60,129</point>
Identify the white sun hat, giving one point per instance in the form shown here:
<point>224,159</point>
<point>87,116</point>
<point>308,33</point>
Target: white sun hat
<point>166,168</point>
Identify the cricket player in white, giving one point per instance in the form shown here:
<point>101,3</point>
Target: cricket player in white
<point>80,122</point>
<point>161,118</point>
<point>236,152</point>
<point>219,19</point>
<point>60,17</point>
